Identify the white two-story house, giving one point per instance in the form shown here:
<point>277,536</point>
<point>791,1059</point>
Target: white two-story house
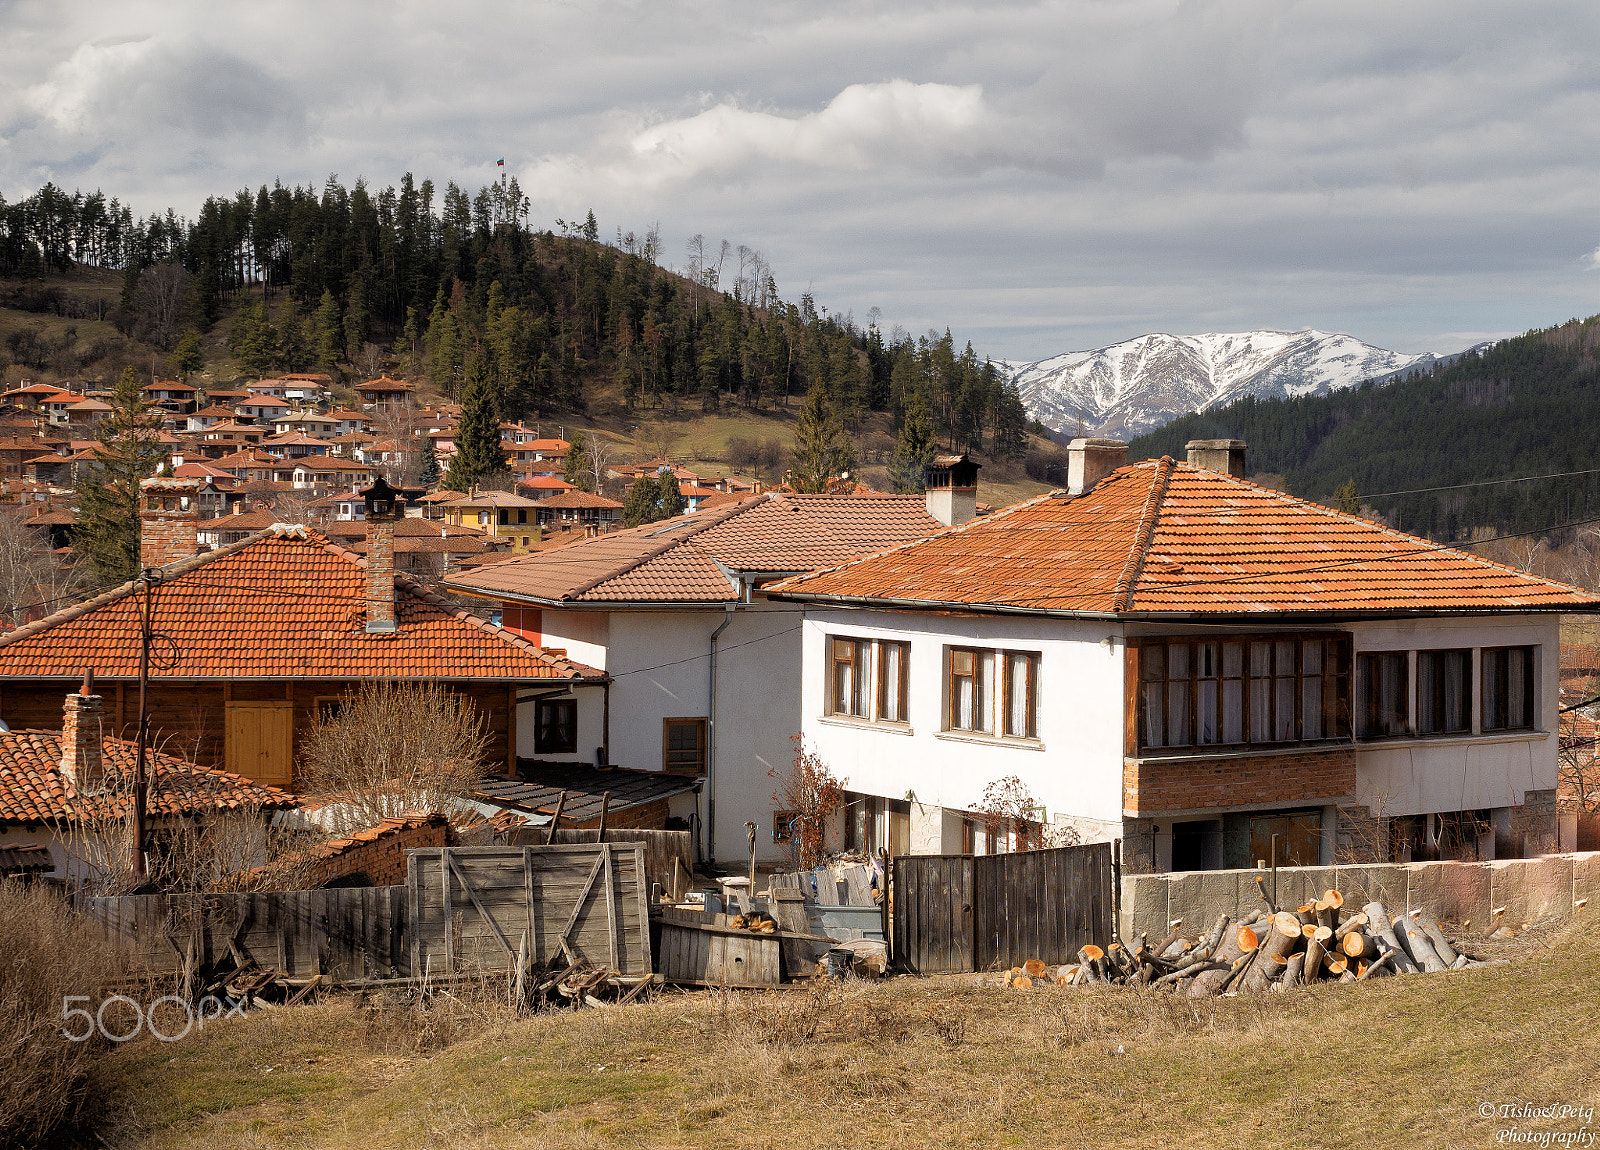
<point>1169,655</point>
<point>704,673</point>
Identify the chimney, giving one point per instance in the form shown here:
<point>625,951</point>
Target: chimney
<point>1224,456</point>
<point>82,755</point>
<point>951,483</point>
<point>169,520</point>
<point>1091,460</point>
<point>382,509</point>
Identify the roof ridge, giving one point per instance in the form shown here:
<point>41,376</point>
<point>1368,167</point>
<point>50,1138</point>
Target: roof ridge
<point>434,599</point>
<point>1122,598</point>
<point>1428,545</point>
<point>716,517</point>
<point>956,528</point>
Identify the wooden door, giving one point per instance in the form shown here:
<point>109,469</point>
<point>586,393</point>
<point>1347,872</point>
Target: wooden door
<point>1299,838</point>
<point>260,741</point>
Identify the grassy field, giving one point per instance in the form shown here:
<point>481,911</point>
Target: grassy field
<point>1399,1062</point>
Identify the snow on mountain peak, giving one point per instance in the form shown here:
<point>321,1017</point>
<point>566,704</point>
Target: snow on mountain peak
<point>1135,386</point>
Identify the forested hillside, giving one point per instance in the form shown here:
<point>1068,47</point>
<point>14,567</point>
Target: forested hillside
<point>350,280</point>
<point>1528,406</point>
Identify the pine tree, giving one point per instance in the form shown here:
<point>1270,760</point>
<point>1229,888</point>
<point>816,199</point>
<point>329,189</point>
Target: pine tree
<point>640,506</point>
<point>478,448</point>
<point>1347,498</point>
<point>913,451</point>
<point>128,450</point>
<point>187,357</point>
<point>253,340</point>
<point>822,450</point>
<point>669,497</point>
<point>327,331</point>
<point>572,470</point>
<point>428,466</point>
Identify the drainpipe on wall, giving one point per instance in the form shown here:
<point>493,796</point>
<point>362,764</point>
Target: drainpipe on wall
<point>709,847</point>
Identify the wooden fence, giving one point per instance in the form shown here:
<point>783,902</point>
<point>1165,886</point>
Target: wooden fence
<point>485,906</point>
<point>668,855</point>
<point>345,933</point>
<point>960,913</point>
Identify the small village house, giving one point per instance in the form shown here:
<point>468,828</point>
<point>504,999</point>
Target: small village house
<point>1169,655</point>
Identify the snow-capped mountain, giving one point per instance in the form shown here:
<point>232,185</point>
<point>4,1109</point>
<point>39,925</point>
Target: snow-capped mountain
<point>1130,388</point>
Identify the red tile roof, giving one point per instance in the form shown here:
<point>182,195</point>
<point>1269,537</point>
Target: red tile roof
<point>284,604</point>
<point>1167,538</point>
<point>677,559</point>
<point>33,789</point>
<point>581,499</point>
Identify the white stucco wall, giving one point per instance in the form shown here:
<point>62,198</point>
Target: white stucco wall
<point>1074,768</point>
<point>591,723</point>
<point>1415,776</point>
<point>660,665</point>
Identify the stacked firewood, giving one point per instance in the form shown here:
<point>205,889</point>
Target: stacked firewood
<point>1271,949</point>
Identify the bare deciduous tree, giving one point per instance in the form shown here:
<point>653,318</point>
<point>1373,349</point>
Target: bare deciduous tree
<point>390,748</point>
<point>596,455</point>
<point>32,580</point>
<point>159,300</point>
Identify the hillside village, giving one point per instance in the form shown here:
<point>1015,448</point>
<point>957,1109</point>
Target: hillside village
<point>308,687</point>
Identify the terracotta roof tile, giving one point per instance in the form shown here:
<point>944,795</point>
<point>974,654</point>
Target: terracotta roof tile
<point>286,603</point>
<point>33,789</point>
<point>1168,538</point>
<point>676,560</point>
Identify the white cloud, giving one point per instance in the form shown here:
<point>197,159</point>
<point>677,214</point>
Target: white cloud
<point>1593,259</point>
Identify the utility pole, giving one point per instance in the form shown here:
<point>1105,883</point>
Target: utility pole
<point>148,577</point>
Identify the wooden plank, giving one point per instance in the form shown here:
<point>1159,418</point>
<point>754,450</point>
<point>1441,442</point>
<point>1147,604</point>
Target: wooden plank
<point>611,907</point>
<point>643,886</point>
<point>449,919</point>
<point>600,860</point>
<point>482,910</point>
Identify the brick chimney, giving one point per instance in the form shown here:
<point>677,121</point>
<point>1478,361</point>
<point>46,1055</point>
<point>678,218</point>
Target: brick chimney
<point>169,521</point>
<point>1224,456</point>
<point>951,485</point>
<point>1091,460</point>
<point>382,509</point>
<point>82,754</point>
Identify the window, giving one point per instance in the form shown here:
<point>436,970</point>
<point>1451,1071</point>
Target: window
<point>847,677</point>
<point>556,729</point>
<point>1382,706</point>
<point>1507,688</point>
<point>1235,690</point>
<point>684,746</point>
<point>894,680</point>
<point>987,686</point>
<point>1444,692</point>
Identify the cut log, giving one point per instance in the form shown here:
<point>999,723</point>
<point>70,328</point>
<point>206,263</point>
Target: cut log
<point>1292,971</point>
<point>1033,968</point>
<point>1420,947</point>
<point>1282,938</point>
<point>1337,965</point>
<point>1090,957</point>
<point>1358,944</point>
<point>1261,889</point>
<point>1306,914</point>
<point>1022,982</point>
<point>1316,947</point>
<point>1377,965</point>
<point>1354,922</point>
<point>1333,898</point>
<point>1176,925</point>
<point>1214,939</point>
<point>1235,945</point>
<point>1441,944</point>
<point>1383,932</point>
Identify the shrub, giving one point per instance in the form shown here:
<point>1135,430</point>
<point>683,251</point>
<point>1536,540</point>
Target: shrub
<point>50,953</point>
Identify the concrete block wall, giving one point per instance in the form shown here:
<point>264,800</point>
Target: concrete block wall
<point>1524,890</point>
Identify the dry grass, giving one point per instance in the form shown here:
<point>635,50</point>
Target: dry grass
<point>1401,1062</point>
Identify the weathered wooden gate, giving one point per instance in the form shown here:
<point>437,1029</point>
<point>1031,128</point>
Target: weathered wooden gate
<point>957,913</point>
<point>481,907</point>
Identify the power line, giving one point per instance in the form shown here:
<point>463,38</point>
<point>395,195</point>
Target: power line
<point>1479,483</point>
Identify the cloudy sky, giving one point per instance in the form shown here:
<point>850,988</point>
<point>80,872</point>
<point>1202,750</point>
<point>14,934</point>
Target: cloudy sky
<point>1039,177</point>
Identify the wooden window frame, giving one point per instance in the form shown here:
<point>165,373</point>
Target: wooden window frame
<point>1467,662</point>
<point>1530,687</point>
<point>694,770</point>
<point>859,660</point>
<point>1365,705</point>
<point>540,726</point>
<point>1336,675</point>
<point>991,694</point>
<point>879,664</point>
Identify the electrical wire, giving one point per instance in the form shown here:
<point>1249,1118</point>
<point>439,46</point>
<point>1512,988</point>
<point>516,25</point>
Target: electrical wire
<point>1479,483</point>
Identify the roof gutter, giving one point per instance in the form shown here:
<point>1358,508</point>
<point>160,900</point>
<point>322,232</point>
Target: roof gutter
<point>708,846</point>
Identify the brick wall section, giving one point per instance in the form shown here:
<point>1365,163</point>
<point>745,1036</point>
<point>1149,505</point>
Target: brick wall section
<point>1188,784</point>
<point>82,753</point>
<point>378,853</point>
<point>168,536</point>
<point>380,575</point>
<point>644,817</point>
